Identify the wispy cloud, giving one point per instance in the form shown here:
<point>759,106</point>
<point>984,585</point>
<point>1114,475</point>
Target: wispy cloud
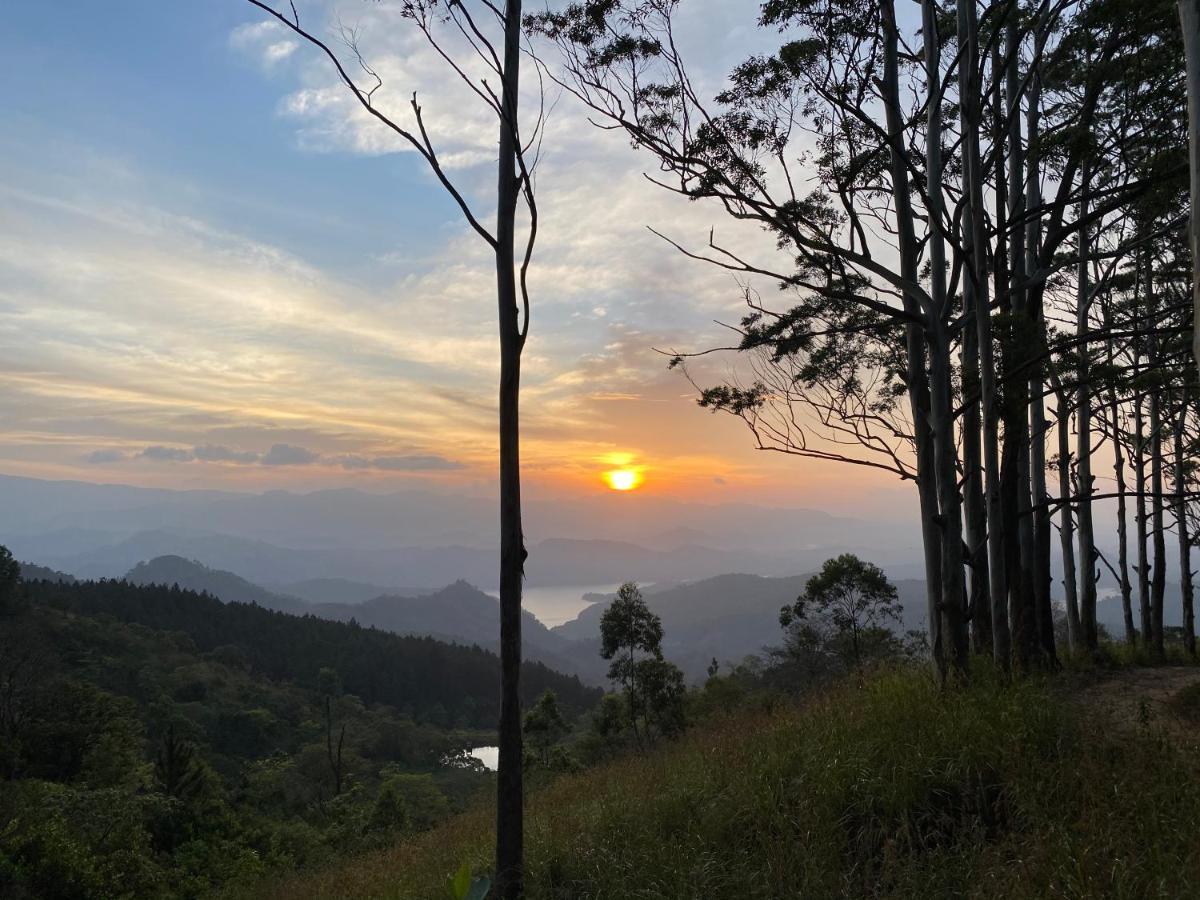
<point>146,338</point>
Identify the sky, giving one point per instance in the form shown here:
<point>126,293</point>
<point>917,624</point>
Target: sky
<point>216,272</point>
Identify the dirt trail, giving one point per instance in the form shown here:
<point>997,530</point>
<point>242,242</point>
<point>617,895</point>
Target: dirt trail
<point>1141,698</point>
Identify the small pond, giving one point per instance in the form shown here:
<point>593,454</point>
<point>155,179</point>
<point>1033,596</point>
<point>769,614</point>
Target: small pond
<point>489,756</point>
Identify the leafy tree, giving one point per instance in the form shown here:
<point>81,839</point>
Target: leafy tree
<point>389,815</point>
<point>10,577</point>
<point>631,638</point>
<point>849,598</point>
<point>178,771</point>
<point>545,727</point>
<point>424,803</point>
<point>661,690</point>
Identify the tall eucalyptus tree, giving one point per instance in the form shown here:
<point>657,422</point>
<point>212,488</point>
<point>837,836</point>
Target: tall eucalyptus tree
<point>492,36</point>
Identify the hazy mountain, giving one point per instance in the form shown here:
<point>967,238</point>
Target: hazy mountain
<point>458,613</point>
<point>225,586</point>
<point>726,617</point>
<point>464,614</point>
<point>422,537</point>
<point>558,561</point>
<point>32,572</point>
<point>340,590</point>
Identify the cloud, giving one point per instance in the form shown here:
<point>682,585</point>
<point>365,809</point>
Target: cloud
<point>267,41</point>
<point>217,453</point>
<point>412,463</point>
<point>415,463</point>
<point>131,315</point>
<point>167,454</point>
<point>105,456</point>
<point>289,455</point>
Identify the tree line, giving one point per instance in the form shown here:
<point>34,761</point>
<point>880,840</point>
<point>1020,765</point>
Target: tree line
<point>976,225</point>
<point>426,679</point>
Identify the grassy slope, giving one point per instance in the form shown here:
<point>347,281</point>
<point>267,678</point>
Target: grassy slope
<point>884,789</point>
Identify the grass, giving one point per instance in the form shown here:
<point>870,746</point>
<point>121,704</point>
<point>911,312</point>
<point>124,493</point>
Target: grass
<point>882,788</point>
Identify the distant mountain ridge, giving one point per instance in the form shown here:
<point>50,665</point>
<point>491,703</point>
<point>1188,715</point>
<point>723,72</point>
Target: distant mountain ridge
<point>32,572</point>
<point>225,586</point>
<point>420,538</point>
<point>339,590</point>
<point>459,613</point>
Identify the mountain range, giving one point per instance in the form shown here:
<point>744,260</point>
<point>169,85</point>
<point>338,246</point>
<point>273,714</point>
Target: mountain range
<point>726,617</point>
<point>413,541</point>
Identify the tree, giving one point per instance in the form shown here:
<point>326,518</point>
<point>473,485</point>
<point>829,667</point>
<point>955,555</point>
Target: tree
<point>851,597</point>
<point>480,21</point>
<point>180,774</point>
<point>10,578</point>
<point>545,727</point>
<point>330,687</point>
<point>631,638</point>
<point>661,689</point>
<point>389,814</point>
<point>1189,18</point>
<point>924,263</point>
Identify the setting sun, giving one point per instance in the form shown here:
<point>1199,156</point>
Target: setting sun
<point>622,479</point>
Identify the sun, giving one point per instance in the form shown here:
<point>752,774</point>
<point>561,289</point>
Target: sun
<point>622,479</point>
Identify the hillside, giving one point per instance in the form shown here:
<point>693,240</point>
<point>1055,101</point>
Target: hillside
<point>886,790</point>
<point>420,675</point>
<point>461,612</point>
<point>166,761</point>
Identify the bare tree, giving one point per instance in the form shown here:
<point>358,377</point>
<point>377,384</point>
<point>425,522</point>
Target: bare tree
<point>493,33</point>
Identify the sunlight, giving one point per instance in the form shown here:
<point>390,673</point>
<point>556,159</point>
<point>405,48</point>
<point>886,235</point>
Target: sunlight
<point>623,479</point>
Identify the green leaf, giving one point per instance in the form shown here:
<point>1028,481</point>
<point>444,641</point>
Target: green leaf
<point>460,883</point>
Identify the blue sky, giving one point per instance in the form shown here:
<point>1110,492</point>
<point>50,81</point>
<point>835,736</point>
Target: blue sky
<point>207,255</point>
<point>157,87</point>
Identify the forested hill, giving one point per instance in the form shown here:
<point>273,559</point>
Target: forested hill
<point>421,677</point>
<point>191,575</point>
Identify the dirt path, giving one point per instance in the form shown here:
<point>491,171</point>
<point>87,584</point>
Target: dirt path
<point>1141,698</point>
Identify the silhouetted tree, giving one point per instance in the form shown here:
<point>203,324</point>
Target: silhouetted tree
<point>493,31</point>
<point>849,597</point>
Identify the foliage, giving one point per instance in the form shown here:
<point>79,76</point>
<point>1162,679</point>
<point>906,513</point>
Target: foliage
<point>882,787</point>
<point>443,684</point>
<point>631,637</point>
<point>165,761</point>
<point>544,729</point>
<point>463,887</point>
<point>845,613</point>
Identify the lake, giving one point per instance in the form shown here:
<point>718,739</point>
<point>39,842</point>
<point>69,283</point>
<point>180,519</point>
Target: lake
<point>556,605</point>
<point>489,756</point>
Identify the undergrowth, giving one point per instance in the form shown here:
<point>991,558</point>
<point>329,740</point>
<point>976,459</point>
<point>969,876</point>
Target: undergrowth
<point>883,787</point>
